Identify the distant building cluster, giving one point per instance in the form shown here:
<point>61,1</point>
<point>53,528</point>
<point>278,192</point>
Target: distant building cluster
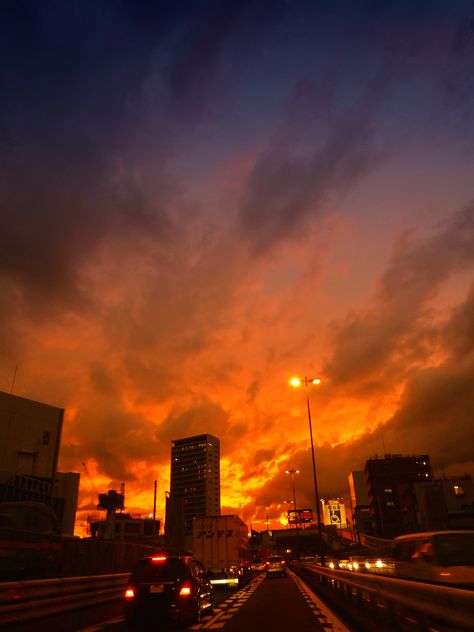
<point>397,494</point>
<point>393,495</point>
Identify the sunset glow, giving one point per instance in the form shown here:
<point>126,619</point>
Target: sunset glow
<point>198,206</point>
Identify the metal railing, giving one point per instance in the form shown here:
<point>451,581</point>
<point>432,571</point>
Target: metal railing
<point>27,600</point>
<point>377,602</point>
<point>372,602</point>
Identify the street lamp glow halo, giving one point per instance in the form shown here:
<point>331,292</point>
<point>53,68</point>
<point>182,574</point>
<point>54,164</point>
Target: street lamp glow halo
<point>296,382</point>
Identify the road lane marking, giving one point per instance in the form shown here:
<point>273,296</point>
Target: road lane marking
<point>233,604</point>
<point>321,612</point>
<point>99,626</point>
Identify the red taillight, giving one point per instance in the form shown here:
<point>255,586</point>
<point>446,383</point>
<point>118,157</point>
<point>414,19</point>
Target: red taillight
<point>129,593</point>
<point>185,590</point>
<point>158,558</point>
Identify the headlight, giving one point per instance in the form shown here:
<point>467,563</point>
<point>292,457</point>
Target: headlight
<point>331,564</point>
<point>355,565</point>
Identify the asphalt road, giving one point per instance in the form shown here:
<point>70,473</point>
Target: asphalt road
<point>275,604</point>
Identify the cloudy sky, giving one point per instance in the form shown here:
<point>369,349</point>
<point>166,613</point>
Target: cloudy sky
<point>201,199</point>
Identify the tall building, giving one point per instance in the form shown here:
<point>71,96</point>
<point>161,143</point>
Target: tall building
<point>195,481</point>
<point>392,498</point>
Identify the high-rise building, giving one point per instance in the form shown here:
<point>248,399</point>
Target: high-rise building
<point>392,498</point>
<point>195,480</point>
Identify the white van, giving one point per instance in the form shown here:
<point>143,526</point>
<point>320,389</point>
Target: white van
<point>437,556</point>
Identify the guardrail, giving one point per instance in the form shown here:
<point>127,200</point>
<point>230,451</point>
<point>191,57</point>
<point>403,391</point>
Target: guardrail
<point>27,600</point>
<point>375,602</point>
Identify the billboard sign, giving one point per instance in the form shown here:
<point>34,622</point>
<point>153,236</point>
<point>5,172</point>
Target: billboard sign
<point>334,513</point>
<point>297,516</point>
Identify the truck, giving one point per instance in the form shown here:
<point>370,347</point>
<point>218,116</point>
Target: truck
<point>221,544</point>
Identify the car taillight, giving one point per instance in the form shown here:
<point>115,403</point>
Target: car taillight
<point>129,593</point>
<point>185,590</point>
<point>158,558</point>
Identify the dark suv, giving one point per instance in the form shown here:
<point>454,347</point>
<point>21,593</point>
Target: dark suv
<point>173,587</point>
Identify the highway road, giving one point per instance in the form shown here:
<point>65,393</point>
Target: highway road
<point>275,604</point>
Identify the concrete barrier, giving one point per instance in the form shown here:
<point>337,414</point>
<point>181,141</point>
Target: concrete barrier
<point>28,600</point>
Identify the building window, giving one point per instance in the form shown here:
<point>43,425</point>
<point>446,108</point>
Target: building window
<point>459,490</point>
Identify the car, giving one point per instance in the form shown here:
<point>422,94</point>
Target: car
<point>381,565</point>
<point>343,564</point>
<point>171,587</point>
<point>275,565</point>
<point>258,564</point>
<point>358,563</point>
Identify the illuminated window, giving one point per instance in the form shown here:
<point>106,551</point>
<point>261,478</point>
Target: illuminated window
<point>459,490</point>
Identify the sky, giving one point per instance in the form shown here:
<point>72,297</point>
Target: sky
<point>202,199</point>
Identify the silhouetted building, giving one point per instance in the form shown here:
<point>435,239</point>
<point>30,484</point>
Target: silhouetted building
<point>194,483</point>
<point>128,529</point>
<point>392,498</point>
<point>174,521</point>
<point>360,509</point>
<point>446,503</point>
<point>30,436</point>
<point>66,488</point>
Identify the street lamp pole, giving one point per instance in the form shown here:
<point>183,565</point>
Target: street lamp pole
<point>297,382</point>
<point>293,472</point>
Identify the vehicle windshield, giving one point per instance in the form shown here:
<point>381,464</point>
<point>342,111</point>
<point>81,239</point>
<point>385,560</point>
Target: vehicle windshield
<point>273,560</point>
<point>170,569</point>
<point>454,549</point>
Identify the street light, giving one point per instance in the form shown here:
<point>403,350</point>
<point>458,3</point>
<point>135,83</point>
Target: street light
<point>293,472</point>
<point>296,382</point>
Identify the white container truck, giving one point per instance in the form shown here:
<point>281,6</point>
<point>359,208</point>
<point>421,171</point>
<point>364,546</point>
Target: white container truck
<point>221,544</point>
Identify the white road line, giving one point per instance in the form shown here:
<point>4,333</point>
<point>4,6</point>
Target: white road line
<point>101,625</point>
<point>321,611</point>
<point>233,604</point>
